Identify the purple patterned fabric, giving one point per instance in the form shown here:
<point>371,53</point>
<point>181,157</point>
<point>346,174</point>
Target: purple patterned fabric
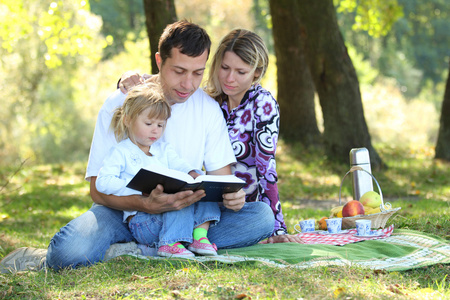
<point>253,128</point>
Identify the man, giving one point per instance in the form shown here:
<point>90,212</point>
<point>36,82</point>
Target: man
<point>197,131</point>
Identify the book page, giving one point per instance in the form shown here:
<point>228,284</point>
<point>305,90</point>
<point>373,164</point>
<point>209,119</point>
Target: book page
<point>170,173</point>
<point>219,178</point>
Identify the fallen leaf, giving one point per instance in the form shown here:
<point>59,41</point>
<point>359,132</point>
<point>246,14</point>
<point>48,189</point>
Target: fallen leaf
<point>242,296</point>
<point>176,293</point>
<point>377,272</point>
<point>337,292</point>
<point>138,277</point>
<point>394,289</point>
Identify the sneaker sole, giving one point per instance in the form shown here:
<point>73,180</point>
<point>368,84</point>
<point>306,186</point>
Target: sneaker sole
<point>164,254</point>
<point>203,251</point>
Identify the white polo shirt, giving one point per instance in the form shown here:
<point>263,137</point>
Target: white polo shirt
<point>196,130</point>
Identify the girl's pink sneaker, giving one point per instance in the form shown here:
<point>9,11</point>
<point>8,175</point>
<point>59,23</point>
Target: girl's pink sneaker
<point>174,251</point>
<point>203,248</point>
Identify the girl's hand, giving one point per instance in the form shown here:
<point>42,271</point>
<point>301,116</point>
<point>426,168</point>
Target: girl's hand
<point>194,174</point>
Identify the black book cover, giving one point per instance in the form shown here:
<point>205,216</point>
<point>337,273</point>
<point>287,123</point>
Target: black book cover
<point>214,185</point>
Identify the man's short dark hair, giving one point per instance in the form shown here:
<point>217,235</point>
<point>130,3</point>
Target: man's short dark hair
<point>189,38</point>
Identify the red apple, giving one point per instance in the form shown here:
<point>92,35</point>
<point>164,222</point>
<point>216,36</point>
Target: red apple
<point>352,208</point>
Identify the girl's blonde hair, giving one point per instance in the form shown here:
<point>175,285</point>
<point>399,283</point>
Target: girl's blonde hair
<point>249,47</point>
<point>139,99</point>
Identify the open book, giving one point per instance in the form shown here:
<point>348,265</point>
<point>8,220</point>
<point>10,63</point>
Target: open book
<point>175,181</point>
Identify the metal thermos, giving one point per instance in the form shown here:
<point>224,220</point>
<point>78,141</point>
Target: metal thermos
<point>362,182</point>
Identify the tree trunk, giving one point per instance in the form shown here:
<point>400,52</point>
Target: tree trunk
<point>295,86</point>
<point>336,82</point>
<point>158,14</point>
<point>443,141</point>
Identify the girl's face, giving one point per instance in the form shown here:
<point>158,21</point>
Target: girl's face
<point>145,131</point>
<point>235,77</point>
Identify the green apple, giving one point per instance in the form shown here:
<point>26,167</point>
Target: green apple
<point>371,199</point>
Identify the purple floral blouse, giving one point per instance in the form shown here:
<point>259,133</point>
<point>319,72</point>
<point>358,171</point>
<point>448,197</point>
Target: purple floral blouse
<point>253,129</point>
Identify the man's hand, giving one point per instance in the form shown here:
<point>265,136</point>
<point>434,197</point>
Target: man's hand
<point>129,80</point>
<point>234,201</point>
<point>155,203</point>
<point>286,238</point>
<point>159,202</point>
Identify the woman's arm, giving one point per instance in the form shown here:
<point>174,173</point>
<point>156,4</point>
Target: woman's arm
<point>266,139</point>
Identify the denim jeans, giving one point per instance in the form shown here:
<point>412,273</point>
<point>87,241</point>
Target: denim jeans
<point>156,230</point>
<point>84,240</point>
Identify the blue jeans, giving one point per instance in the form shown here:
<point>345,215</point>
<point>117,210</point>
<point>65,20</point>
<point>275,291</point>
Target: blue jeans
<point>84,240</point>
<point>156,230</point>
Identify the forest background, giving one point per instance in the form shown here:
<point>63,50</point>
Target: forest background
<point>61,59</point>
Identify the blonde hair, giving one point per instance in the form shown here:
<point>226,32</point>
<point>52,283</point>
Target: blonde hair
<point>249,47</point>
<point>139,99</point>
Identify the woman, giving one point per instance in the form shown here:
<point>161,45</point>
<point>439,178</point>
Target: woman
<point>252,116</point>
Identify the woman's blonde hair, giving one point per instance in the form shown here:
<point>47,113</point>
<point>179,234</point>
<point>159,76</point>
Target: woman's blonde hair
<point>139,99</point>
<point>249,47</point>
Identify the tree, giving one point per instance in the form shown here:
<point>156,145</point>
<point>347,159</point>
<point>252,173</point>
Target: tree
<point>336,82</point>
<point>443,141</point>
<point>158,13</point>
<point>295,85</point>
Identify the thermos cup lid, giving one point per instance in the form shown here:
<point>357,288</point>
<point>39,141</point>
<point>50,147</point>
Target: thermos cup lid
<point>359,156</point>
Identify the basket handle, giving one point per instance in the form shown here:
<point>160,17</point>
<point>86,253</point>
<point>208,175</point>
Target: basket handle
<point>357,168</point>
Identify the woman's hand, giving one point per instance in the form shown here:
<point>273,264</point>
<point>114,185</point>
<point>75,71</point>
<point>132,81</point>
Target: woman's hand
<point>284,238</point>
<point>234,201</point>
<point>128,80</point>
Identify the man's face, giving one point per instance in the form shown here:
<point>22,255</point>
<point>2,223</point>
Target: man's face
<point>181,75</point>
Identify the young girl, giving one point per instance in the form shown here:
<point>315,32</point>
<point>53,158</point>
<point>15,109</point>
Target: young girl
<point>137,126</point>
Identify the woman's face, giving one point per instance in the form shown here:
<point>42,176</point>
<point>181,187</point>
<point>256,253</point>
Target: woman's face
<point>235,77</point>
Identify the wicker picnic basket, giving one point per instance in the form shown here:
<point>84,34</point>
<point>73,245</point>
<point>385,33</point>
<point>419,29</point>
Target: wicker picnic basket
<point>378,219</point>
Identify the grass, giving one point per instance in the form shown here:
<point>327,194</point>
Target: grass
<point>37,200</point>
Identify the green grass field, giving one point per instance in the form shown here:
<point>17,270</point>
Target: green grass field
<point>37,200</point>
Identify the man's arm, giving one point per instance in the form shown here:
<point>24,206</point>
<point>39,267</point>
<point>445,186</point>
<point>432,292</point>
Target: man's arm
<point>157,202</point>
<point>234,201</point>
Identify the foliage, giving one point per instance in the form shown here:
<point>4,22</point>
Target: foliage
<point>374,17</point>
<point>414,181</point>
<point>122,21</point>
<point>64,29</point>
<point>43,44</point>
<point>213,15</point>
<point>263,22</point>
<point>412,48</point>
<point>424,36</point>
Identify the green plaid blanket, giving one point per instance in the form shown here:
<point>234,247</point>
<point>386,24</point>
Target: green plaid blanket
<point>403,250</point>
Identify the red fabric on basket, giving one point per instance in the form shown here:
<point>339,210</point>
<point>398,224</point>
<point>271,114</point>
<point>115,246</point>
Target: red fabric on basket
<point>342,238</point>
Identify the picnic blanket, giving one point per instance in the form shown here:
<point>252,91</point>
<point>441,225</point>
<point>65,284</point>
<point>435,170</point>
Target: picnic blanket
<point>402,250</point>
